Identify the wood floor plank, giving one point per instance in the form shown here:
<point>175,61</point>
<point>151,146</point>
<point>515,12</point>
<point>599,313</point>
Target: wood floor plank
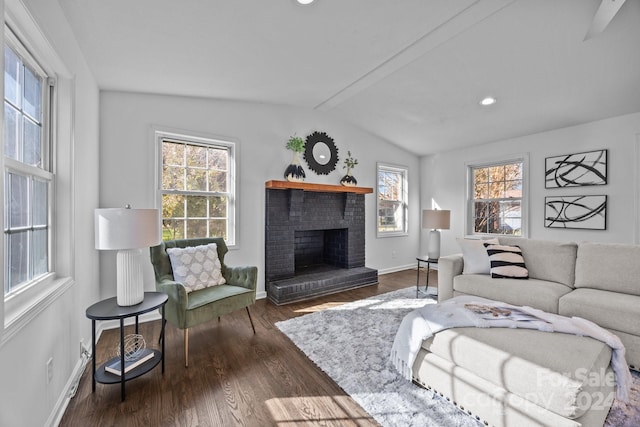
<point>234,378</point>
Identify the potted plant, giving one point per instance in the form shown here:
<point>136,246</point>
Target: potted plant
<point>294,171</point>
<point>349,163</point>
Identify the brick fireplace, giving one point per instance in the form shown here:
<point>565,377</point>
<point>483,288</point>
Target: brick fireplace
<point>314,240</point>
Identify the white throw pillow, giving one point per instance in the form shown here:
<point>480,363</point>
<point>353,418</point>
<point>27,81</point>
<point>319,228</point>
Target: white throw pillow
<point>196,267</point>
<point>474,254</point>
<point>507,262</point>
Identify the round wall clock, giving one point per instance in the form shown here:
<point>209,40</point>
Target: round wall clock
<point>321,153</point>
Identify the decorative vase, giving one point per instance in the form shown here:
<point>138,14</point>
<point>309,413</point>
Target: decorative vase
<point>294,172</point>
<point>348,180</point>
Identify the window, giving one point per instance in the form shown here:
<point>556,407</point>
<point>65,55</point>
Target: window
<point>496,202</point>
<point>392,200</point>
<point>197,187</point>
<point>28,179</point>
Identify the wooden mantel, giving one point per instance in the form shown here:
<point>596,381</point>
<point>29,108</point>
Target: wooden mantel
<point>287,185</point>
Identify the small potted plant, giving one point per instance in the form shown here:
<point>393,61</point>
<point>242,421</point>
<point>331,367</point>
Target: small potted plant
<point>349,163</point>
<point>294,171</point>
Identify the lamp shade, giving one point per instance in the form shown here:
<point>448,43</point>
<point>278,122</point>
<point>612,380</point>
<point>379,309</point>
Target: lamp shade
<point>436,219</point>
<point>123,228</point>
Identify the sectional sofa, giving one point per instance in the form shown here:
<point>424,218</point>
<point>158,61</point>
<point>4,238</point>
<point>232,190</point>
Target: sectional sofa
<point>597,281</point>
<point>525,377</point>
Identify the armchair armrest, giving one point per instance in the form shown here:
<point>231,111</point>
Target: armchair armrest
<point>175,290</point>
<point>448,267</point>
<point>245,276</point>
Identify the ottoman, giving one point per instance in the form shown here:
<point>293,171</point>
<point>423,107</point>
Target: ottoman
<point>519,377</point>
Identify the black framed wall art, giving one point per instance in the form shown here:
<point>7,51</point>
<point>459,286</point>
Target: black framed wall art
<point>583,212</point>
<point>576,170</point>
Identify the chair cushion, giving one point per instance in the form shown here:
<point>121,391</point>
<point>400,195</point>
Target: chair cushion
<point>609,267</point>
<point>206,296</point>
<point>196,267</point>
<point>506,262</point>
<point>611,310</point>
<point>546,259</point>
<point>535,293</point>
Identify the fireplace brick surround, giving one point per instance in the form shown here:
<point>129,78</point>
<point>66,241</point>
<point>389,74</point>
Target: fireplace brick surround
<point>314,240</point>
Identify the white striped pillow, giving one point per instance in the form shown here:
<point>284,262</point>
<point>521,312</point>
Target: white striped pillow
<point>506,262</point>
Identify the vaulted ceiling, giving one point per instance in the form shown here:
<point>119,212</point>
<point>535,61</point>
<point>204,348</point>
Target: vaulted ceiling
<point>411,71</point>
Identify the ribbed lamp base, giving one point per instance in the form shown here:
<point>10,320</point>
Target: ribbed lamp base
<point>434,244</point>
<point>129,280</point>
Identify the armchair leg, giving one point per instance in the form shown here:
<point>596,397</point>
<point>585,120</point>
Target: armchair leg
<point>186,348</point>
<point>251,320</point>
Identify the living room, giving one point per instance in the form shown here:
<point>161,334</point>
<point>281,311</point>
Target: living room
<point>107,136</point>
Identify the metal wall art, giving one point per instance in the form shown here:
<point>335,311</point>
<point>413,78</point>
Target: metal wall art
<point>585,212</point>
<point>576,170</point>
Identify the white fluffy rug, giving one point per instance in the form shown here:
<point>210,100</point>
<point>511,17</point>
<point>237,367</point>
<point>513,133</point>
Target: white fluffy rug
<point>352,342</point>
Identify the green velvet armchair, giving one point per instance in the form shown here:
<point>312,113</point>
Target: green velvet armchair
<point>185,310</point>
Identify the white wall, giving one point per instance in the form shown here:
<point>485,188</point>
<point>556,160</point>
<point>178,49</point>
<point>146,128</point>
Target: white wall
<point>26,397</point>
<point>443,179</point>
<point>127,165</point>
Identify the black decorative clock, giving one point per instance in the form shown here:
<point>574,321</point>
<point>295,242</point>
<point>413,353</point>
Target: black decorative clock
<point>321,153</point>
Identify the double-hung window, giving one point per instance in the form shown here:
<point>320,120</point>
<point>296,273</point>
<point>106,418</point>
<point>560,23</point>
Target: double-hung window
<point>28,175</point>
<point>497,197</point>
<point>392,200</point>
<point>197,186</point>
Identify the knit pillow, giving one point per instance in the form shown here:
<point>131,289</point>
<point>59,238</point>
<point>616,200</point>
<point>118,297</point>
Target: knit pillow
<point>506,262</point>
<point>196,267</point>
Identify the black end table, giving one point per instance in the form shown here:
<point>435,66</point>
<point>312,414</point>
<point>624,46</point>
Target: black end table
<point>428,261</point>
<point>108,309</point>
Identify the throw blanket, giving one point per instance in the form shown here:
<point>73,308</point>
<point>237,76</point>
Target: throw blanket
<point>422,323</point>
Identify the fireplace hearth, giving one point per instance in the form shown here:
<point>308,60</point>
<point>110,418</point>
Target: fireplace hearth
<point>314,240</point>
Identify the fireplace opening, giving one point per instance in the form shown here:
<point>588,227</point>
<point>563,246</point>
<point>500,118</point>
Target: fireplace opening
<point>320,250</point>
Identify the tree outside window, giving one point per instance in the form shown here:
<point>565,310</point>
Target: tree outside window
<point>196,192</point>
<point>497,192</point>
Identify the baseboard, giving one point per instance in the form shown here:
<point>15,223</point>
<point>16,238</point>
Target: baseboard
<point>396,269</point>
<point>68,392</point>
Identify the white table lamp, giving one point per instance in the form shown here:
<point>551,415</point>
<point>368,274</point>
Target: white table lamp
<point>435,220</point>
<point>128,231</point>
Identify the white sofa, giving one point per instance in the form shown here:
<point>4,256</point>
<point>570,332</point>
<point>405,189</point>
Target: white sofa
<point>520,377</point>
<point>597,281</point>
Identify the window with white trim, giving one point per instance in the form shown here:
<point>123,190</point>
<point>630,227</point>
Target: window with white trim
<point>197,186</point>
<point>28,175</point>
<point>392,200</point>
<point>497,198</point>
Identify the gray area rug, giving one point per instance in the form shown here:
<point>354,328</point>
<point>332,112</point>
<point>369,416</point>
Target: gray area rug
<point>352,342</point>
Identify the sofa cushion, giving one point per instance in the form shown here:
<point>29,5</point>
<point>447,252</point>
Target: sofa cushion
<point>561,372</point>
<point>196,267</point>
<point>535,293</point>
<point>547,260</point>
<point>506,262</point>
<point>474,254</point>
<point>608,266</point>
<point>611,310</point>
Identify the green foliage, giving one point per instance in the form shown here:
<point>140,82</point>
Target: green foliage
<point>350,162</point>
<point>296,144</point>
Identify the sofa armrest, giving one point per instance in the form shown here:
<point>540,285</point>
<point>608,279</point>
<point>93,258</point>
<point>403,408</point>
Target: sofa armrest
<point>448,267</point>
<point>244,276</point>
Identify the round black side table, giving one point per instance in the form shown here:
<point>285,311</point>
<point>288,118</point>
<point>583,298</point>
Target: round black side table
<point>108,309</point>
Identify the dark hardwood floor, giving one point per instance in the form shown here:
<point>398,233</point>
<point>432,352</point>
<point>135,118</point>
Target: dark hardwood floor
<point>234,378</point>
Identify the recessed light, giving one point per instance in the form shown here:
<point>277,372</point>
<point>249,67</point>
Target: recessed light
<point>489,100</point>
<point>305,1</point>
